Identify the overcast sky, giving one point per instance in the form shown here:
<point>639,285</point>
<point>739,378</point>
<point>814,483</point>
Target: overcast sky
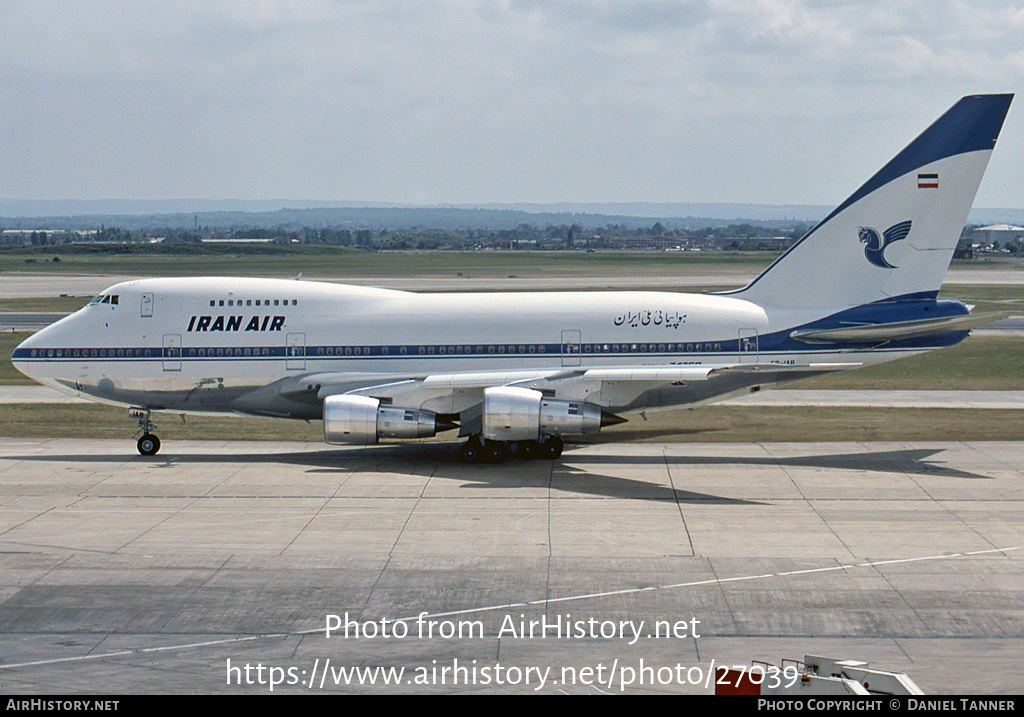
<point>432,102</point>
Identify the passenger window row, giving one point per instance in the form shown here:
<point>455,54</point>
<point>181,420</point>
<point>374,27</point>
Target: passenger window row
<point>92,353</point>
<point>251,302</point>
<point>229,352</point>
<point>498,349</point>
<point>660,348</point>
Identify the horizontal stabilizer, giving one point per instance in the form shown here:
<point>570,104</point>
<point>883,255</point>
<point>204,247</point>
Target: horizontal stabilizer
<point>872,333</point>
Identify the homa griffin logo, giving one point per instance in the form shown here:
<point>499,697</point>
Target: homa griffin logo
<point>876,245</point>
<point>234,323</point>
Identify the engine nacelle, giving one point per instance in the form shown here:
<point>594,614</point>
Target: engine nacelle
<point>363,420</point>
<point>523,414</point>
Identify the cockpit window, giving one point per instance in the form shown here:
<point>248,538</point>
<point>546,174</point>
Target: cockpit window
<point>106,299</point>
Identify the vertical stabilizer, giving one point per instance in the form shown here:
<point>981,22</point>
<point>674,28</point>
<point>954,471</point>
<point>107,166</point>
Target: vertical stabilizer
<point>895,235</point>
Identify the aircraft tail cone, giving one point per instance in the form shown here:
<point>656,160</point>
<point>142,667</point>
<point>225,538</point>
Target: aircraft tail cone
<point>445,423</point>
<point>610,419</point>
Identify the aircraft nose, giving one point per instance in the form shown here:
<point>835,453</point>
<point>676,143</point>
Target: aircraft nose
<point>31,354</point>
<point>23,355</point>
<point>19,356</point>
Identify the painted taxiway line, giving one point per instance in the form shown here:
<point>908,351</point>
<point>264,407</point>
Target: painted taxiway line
<point>515,605</point>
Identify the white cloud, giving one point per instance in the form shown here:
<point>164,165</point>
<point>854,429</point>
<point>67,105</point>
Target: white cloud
<point>497,100</point>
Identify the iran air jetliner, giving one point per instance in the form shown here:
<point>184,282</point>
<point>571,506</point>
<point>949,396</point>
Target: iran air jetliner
<point>516,372</point>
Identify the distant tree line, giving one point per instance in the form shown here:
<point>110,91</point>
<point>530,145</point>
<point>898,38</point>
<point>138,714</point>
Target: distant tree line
<point>566,236</point>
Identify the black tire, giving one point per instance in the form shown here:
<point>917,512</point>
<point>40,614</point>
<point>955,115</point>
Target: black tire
<point>472,451</point>
<point>497,451</point>
<point>149,444</point>
<point>529,449</point>
<point>552,447</point>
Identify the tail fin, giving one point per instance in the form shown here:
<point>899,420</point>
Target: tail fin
<point>895,235</point>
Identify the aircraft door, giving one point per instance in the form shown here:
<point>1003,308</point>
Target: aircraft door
<point>295,352</point>
<point>571,347</point>
<point>172,352</point>
<point>748,345</point>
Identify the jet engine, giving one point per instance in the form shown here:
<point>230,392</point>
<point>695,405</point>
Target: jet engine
<point>363,420</point>
<point>524,414</point>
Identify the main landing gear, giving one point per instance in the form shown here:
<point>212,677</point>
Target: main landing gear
<point>479,450</point>
<point>148,444</point>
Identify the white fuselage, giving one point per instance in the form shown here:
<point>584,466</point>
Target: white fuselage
<point>213,344</point>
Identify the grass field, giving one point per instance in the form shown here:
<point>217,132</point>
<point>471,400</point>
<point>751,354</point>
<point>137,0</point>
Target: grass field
<point>320,261</point>
<point>707,424</point>
<point>987,297</point>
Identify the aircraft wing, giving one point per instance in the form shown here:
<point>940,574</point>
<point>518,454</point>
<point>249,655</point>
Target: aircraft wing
<point>613,386</point>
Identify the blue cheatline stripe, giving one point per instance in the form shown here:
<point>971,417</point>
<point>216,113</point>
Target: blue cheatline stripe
<point>362,351</point>
<point>769,345</point>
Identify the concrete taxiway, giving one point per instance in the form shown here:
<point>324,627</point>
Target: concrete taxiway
<point>215,566</point>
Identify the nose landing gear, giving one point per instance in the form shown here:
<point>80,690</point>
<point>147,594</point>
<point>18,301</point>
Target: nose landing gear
<point>148,443</point>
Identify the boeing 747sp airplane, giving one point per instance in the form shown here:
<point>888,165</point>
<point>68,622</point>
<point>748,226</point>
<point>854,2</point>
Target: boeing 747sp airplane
<point>516,371</point>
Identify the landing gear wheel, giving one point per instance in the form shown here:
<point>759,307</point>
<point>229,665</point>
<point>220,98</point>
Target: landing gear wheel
<point>472,451</point>
<point>529,449</point>
<point>497,451</point>
<point>149,444</point>
<point>552,447</point>
<point>477,450</point>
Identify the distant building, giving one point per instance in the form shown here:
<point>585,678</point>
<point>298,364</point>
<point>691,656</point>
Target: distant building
<point>1002,235</point>
<point>645,243</point>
